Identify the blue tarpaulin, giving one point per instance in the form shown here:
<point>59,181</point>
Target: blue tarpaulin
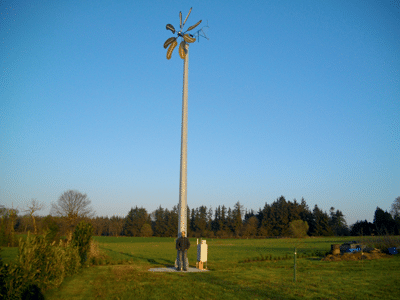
<point>353,250</point>
<point>392,250</point>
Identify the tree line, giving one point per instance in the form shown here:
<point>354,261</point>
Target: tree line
<point>281,218</point>
<point>385,223</point>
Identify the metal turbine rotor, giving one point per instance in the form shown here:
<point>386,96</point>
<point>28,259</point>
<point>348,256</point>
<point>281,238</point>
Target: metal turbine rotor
<point>185,37</point>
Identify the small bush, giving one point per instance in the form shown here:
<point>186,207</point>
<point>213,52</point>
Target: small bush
<point>14,281</point>
<point>53,229</point>
<point>298,228</point>
<point>81,239</point>
<point>3,276</point>
<point>40,265</point>
<point>38,258</point>
<point>7,237</point>
<point>94,250</point>
<point>71,260</point>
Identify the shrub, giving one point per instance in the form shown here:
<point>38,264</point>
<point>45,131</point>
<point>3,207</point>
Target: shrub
<point>7,237</point>
<point>81,239</point>
<point>53,228</point>
<point>146,230</point>
<point>48,262</point>
<point>94,252</point>
<point>40,265</point>
<point>72,261</point>
<point>3,234</point>
<point>3,275</point>
<point>39,258</point>
<point>298,228</point>
<point>92,261</point>
<point>14,281</point>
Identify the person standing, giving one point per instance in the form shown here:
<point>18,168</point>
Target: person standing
<point>182,245</point>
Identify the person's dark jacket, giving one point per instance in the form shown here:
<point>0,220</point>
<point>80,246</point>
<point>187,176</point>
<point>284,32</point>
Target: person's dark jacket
<point>182,243</point>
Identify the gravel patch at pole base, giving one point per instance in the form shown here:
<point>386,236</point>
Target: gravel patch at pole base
<point>172,269</point>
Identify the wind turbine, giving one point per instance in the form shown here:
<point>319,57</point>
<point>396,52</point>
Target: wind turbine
<point>185,38</point>
<point>171,43</point>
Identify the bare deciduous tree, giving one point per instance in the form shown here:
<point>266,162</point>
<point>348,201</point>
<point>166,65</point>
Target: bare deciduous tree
<point>72,205</point>
<point>395,211</point>
<point>33,207</point>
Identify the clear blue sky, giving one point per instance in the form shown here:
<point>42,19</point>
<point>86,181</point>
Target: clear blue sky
<point>293,98</point>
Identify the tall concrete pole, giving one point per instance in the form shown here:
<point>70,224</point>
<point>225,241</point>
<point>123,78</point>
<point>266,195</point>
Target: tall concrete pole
<point>182,222</point>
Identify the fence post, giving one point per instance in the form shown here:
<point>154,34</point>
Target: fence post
<point>294,273</point>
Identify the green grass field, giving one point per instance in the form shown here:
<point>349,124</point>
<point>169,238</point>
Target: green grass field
<point>124,274</point>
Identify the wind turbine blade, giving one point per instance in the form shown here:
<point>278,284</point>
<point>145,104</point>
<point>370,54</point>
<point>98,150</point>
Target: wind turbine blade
<point>188,38</point>
<point>170,27</point>
<point>182,49</point>
<point>169,41</point>
<point>171,48</point>
<point>187,16</point>
<point>193,26</point>
<point>180,18</point>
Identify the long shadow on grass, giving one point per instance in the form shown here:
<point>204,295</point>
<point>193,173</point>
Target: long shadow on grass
<point>119,252</point>
<point>166,263</point>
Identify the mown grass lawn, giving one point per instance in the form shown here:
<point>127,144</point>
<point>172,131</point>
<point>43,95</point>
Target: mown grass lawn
<point>124,272</point>
<point>161,251</point>
<point>127,275</point>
